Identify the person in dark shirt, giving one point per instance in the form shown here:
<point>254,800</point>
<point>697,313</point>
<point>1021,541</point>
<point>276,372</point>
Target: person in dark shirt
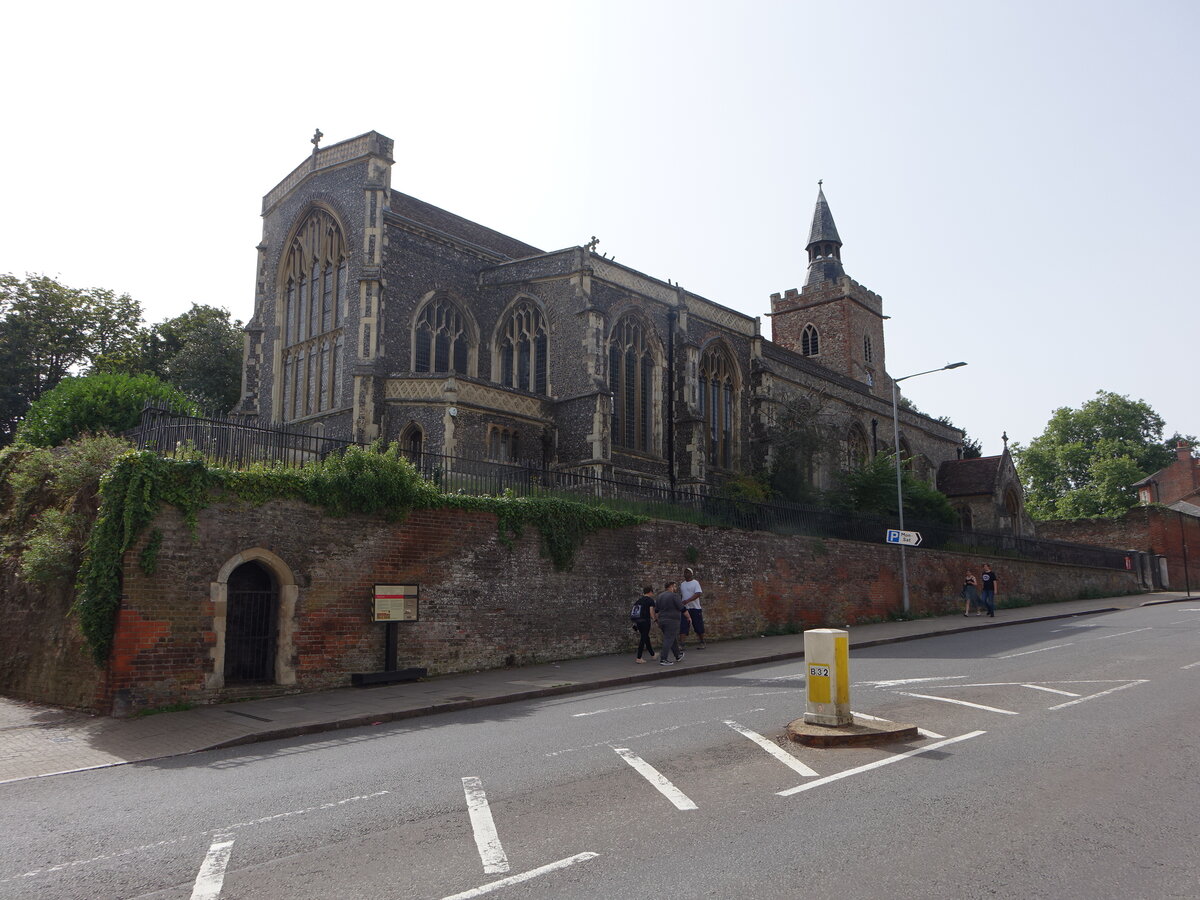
<point>642,622</point>
<point>669,612</point>
<point>988,594</point>
<point>970,593</point>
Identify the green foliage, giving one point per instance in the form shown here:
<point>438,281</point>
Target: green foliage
<point>199,352</point>
<point>93,404</point>
<point>1085,462</point>
<point>52,546</point>
<point>746,487</point>
<point>871,489</point>
<point>376,481</point>
<point>49,331</point>
<point>805,434</point>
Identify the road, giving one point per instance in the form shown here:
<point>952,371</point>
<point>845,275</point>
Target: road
<point>1057,759</point>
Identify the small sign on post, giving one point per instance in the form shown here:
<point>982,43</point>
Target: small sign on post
<point>396,602</point>
<point>907,538</point>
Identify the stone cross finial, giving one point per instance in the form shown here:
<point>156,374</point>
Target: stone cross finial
<point>591,245</point>
<point>1004,437</point>
<point>316,140</point>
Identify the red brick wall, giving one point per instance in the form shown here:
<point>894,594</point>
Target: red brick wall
<point>1151,529</point>
<point>484,605</point>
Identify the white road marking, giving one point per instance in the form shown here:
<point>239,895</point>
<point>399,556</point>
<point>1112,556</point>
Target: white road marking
<point>878,763</point>
<point>1119,687</point>
<point>486,838</point>
<point>1190,665</point>
<point>634,737</point>
<point>1039,650</point>
<point>774,749</point>
<point>896,682</point>
<point>1007,712</point>
<point>187,837</point>
<point>932,735</point>
<point>1105,637</point>
<point>212,871</point>
<point>656,778</point>
<point>1039,687</point>
<point>524,876</point>
<point>705,699</point>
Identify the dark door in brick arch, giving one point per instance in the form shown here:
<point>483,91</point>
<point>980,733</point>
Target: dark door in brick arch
<point>251,618</point>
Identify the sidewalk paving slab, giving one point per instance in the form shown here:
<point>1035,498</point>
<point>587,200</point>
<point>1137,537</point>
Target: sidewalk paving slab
<point>37,741</point>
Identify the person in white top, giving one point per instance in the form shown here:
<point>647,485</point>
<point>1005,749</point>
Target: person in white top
<point>690,590</point>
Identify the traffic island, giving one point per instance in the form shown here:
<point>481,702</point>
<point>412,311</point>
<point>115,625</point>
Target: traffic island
<point>858,732</point>
<point>828,720</point>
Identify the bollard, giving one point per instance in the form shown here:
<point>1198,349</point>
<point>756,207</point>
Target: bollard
<point>827,653</point>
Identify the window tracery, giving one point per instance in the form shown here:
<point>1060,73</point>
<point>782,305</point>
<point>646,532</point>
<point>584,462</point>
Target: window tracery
<point>631,378</point>
<point>443,338</point>
<point>810,341</point>
<point>522,349</point>
<point>717,394</point>
<point>315,291</point>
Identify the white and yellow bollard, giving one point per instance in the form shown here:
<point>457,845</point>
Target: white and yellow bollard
<point>827,653</point>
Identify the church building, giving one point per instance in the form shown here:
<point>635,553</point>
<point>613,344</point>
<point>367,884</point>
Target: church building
<point>378,315</point>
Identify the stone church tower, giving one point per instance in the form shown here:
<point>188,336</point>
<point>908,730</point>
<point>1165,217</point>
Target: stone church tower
<point>833,320</point>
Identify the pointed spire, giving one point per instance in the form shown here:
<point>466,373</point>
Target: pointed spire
<point>824,245</point>
<point>823,228</point>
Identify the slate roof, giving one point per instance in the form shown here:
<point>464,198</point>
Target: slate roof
<point>968,477</point>
<point>448,223</point>
<point>823,228</point>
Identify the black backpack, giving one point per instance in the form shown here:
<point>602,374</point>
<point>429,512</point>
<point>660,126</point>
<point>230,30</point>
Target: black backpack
<point>635,614</point>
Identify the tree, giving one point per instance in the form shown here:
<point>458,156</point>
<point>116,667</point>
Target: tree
<point>1085,462</point>
<point>871,489</point>
<point>199,352</point>
<point>93,404</point>
<point>49,331</point>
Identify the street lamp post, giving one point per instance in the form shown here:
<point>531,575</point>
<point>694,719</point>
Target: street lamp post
<point>899,483</point>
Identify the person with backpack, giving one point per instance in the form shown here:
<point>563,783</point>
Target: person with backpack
<point>640,615</point>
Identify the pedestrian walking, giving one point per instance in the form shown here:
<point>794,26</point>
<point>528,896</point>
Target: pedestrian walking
<point>988,594</point>
<point>970,593</point>
<point>669,611</point>
<point>690,591</point>
<point>642,616</point>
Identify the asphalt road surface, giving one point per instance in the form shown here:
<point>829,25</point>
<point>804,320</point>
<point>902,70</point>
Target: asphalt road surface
<point>1057,759</point>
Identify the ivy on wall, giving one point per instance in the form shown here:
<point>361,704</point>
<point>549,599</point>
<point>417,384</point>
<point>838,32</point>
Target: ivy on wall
<point>374,481</point>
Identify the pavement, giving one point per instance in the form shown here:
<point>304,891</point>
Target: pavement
<point>37,741</point>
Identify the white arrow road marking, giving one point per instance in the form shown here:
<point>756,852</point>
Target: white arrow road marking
<point>212,871</point>
<point>486,838</point>
<point>656,778</point>
<point>524,876</point>
<point>1039,650</point>
<point>1007,712</point>
<point>896,682</point>
<point>1190,665</point>
<point>1119,687</point>
<point>807,786</point>
<point>774,749</point>
<point>932,735</point>
<point>1042,687</point>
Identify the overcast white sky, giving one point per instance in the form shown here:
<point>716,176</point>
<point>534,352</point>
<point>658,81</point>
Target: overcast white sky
<point>1018,180</point>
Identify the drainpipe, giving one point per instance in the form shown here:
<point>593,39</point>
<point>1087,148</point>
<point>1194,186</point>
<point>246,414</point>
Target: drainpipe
<point>671,398</point>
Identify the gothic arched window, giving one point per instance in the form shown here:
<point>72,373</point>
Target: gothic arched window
<point>631,378</point>
<point>522,357</point>
<point>442,338</point>
<point>718,387</point>
<point>314,290</point>
<point>810,341</point>
<point>503,443</point>
<point>857,453</point>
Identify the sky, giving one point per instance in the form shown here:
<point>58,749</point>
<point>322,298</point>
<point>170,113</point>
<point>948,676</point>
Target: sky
<point>1017,180</point>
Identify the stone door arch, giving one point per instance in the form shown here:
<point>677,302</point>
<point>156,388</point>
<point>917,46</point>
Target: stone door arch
<point>254,621</point>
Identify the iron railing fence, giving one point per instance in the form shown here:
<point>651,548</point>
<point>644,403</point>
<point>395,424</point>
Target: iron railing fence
<point>238,444</point>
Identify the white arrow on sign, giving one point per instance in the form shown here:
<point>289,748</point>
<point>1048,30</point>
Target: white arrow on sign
<point>908,538</point>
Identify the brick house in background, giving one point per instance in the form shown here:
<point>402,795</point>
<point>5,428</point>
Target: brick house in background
<point>378,315</point>
<point>1177,485</point>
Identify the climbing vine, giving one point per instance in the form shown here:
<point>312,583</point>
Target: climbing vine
<point>376,481</point>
